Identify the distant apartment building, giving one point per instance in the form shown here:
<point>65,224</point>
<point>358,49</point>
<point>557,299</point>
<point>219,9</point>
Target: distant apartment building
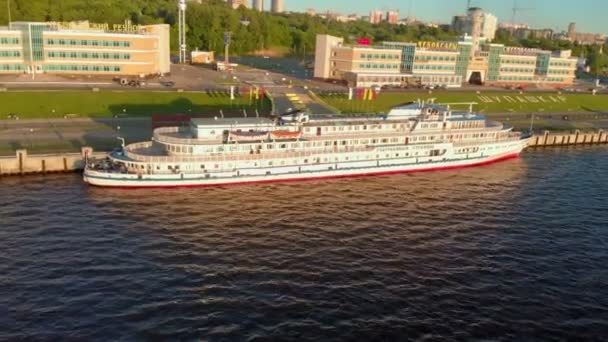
<point>237,3</point>
<point>83,48</point>
<point>527,33</point>
<point>392,17</point>
<point>376,16</point>
<point>460,23</point>
<point>258,5</point>
<point>486,22</point>
<point>584,38</point>
<point>277,6</point>
<point>489,26</point>
<point>440,64</point>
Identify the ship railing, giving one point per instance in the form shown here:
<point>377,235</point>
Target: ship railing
<point>133,155</point>
<point>162,135</point>
<point>487,141</point>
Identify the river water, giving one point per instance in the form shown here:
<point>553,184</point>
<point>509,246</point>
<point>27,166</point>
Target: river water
<point>512,251</point>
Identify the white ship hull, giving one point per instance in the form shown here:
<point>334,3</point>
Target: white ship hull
<point>211,152</point>
<point>285,174</point>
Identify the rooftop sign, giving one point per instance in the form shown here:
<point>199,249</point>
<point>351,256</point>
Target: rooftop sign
<point>437,45</point>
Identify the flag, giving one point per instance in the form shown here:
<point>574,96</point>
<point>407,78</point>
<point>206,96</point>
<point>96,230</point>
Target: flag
<point>257,93</point>
<point>244,92</point>
<point>350,93</point>
<point>360,93</point>
<point>231,93</point>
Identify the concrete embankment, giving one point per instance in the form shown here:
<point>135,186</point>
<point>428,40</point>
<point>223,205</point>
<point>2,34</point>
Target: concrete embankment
<point>561,139</point>
<point>22,163</point>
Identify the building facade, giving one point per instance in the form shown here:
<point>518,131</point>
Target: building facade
<point>447,64</point>
<point>56,48</point>
<point>392,17</point>
<point>237,3</point>
<point>476,22</point>
<point>258,5</point>
<point>376,16</point>
<point>277,6</point>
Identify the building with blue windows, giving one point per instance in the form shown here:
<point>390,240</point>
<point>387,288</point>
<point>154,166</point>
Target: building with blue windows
<point>404,64</point>
<point>83,48</point>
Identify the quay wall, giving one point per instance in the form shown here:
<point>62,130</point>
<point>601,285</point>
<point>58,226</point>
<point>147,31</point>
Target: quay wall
<point>561,139</point>
<point>23,163</point>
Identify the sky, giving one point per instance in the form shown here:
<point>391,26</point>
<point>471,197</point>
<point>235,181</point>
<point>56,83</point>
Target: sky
<point>589,15</point>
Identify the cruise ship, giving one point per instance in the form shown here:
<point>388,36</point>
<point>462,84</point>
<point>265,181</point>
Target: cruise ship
<point>294,146</point>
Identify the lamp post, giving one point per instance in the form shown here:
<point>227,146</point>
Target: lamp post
<point>8,10</point>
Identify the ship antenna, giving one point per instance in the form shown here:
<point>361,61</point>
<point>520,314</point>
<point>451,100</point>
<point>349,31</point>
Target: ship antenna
<point>222,113</point>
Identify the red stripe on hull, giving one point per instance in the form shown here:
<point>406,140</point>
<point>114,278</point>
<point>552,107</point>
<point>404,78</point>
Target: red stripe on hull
<point>367,174</point>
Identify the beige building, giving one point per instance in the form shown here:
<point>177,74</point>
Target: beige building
<point>202,57</point>
<point>440,64</point>
<point>83,48</point>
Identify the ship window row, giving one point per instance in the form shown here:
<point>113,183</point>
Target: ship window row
<point>88,55</point>
<point>326,145</point>
<point>179,148</point>
<point>96,68</point>
<point>11,67</point>
<point>9,41</point>
<point>87,42</point>
<point>10,53</point>
<point>468,124</point>
<point>350,128</point>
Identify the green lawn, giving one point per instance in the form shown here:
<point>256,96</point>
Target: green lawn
<point>487,102</point>
<point>57,104</point>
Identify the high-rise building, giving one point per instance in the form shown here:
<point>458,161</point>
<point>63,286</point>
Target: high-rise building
<point>572,31</point>
<point>475,22</point>
<point>277,6</point>
<point>460,23</point>
<point>237,3</point>
<point>258,5</point>
<point>392,17</point>
<point>489,26</point>
<point>376,16</point>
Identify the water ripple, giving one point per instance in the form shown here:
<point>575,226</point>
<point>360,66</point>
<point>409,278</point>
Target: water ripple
<point>512,251</point>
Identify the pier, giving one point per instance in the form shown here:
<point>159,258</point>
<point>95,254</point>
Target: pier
<point>22,163</point>
<point>566,138</point>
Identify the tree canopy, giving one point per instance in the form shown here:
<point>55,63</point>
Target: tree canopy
<point>251,30</point>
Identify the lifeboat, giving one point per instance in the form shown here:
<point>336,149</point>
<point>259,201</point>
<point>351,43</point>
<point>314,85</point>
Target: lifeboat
<point>281,135</point>
<point>248,136</point>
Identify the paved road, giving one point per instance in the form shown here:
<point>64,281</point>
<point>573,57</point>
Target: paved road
<point>71,134</point>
